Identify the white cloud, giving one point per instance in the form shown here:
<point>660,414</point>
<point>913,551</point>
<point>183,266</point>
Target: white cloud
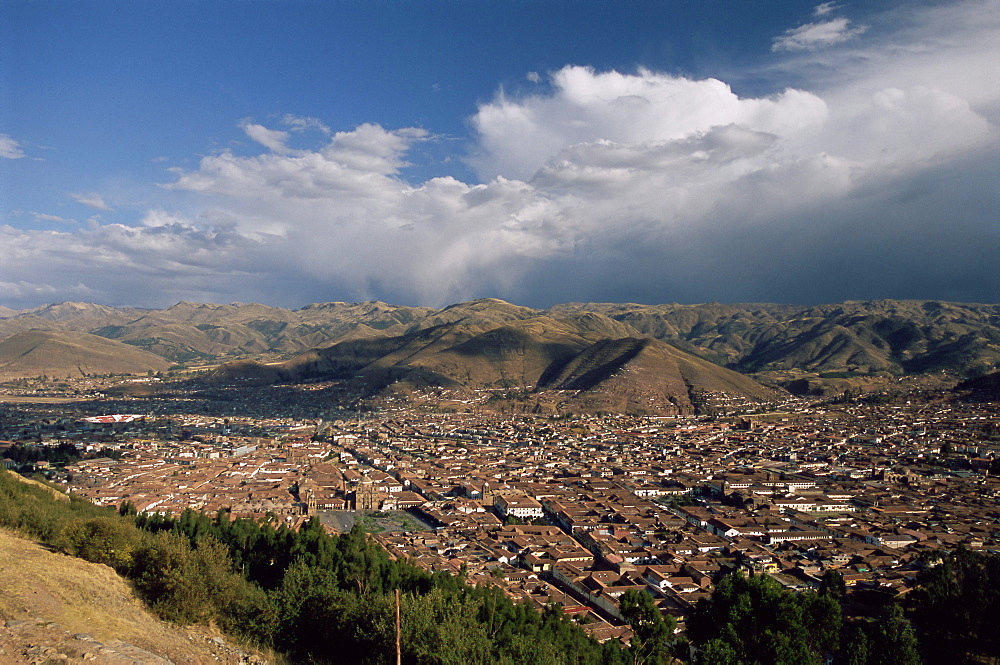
<point>115,263</point>
<point>271,139</point>
<point>825,8</point>
<point>9,148</point>
<point>42,217</point>
<point>605,185</point>
<point>518,136</point>
<point>341,213</point>
<point>534,77</point>
<point>371,148</point>
<point>302,123</point>
<point>18,291</point>
<point>817,35</point>
<point>603,162</point>
<point>951,47</point>
<point>92,200</point>
<point>161,218</point>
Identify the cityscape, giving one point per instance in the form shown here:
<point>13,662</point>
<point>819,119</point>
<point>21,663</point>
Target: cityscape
<point>535,332</point>
<point>572,511</point>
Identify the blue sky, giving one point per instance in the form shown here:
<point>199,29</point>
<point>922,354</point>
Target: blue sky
<point>541,152</point>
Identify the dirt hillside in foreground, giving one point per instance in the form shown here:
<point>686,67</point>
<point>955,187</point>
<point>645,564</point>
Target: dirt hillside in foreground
<point>59,609</point>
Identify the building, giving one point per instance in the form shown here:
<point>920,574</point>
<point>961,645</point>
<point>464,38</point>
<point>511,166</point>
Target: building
<point>518,505</point>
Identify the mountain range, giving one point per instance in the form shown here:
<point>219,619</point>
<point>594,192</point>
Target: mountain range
<point>614,356</point>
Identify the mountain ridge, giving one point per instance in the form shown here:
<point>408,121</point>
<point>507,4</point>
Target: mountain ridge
<point>492,343</point>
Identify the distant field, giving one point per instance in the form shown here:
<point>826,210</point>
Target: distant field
<point>38,399</point>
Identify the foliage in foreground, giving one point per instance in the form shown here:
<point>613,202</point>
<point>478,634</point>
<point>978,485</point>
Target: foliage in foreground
<point>956,608</point>
<point>317,598</point>
<point>755,620</point>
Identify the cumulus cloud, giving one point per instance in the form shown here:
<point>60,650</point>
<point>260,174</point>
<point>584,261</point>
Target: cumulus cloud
<point>92,200</point>
<point>342,214</point>
<point>641,182</point>
<point>817,35</point>
<point>949,46</point>
<point>121,264</point>
<point>9,148</point>
<point>516,137</point>
<point>35,292</point>
<point>603,185</point>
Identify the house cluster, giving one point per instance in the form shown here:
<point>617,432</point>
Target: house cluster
<point>580,510</point>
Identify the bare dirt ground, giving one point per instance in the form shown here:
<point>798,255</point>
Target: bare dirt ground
<point>58,609</point>
<point>29,399</point>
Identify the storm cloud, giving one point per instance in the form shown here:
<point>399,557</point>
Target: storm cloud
<point>878,180</point>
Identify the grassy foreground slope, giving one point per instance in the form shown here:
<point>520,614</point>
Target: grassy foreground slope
<point>309,596</point>
<point>54,604</point>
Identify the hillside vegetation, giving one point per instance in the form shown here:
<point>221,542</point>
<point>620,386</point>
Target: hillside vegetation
<point>570,363</point>
<point>315,597</point>
<point>65,609</point>
<point>878,335</point>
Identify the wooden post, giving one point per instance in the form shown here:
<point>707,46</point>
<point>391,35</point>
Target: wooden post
<point>399,630</point>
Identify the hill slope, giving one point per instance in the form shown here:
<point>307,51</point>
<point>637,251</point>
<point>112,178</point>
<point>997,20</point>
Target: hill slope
<point>879,336</point>
<point>58,608</point>
<point>895,336</point>
<point>64,353</point>
<point>502,349</point>
<point>646,376</point>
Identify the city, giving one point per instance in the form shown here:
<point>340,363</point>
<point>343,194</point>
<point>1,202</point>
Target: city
<point>568,511</point>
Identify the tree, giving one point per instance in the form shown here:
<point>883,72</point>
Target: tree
<point>857,648</point>
<point>650,642</point>
<point>440,627</point>
<point>956,607</point>
<point>183,584</point>
<point>896,643</point>
<point>717,652</point>
<point>763,623</point>
<point>108,540</point>
<point>323,598</point>
<point>832,584</point>
<point>822,619</point>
